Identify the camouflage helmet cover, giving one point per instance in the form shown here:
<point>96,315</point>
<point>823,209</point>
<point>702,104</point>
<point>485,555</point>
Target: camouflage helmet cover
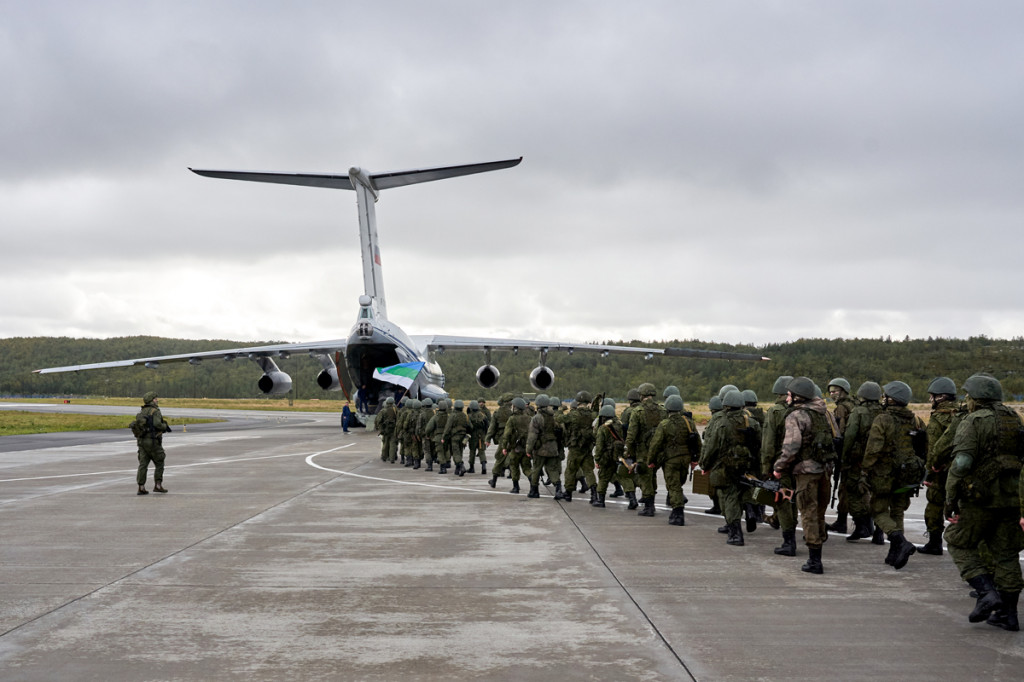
<point>646,389</point>
<point>983,387</point>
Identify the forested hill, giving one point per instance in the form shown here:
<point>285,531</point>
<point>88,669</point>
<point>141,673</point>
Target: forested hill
<point>915,361</point>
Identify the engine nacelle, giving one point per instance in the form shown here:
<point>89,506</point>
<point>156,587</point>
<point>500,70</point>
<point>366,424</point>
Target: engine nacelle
<point>487,376</point>
<point>275,383</point>
<point>541,378</point>
<point>328,380</point>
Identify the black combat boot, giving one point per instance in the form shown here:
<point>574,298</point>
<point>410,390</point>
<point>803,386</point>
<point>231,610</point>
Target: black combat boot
<point>619,492</point>
<point>813,564</point>
<point>988,598</point>
<point>632,500</point>
<point>900,550</point>
<point>158,487</point>
<point>442,469</point>
<point>567,495</point>
<point>750,512</point>
<point>409,461</point>
<point>582,480</point>
<point>534,491</point>
<point>515,487</point>
<point>494,481</point>
<point>1005,616</point>
<point>877,536</point>
<point>142,491</point>
<point>735,534</point>
<point>677,518</point>
<point>648,509</point>
<point>401,460</point>
<point>788,547</point>
<point>715,509</point>
<point>593,494</point>
<point>840,524</point>
<point>861,529</point>
<point>416,463</point>
<point>459,469</point>
<point>559,493</point>
<point>483,468</point>
<point>934,544</point>
<point>600,500</point>
<point>470,470</point>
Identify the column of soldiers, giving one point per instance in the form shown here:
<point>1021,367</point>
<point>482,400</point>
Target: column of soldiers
<point>872,448</point>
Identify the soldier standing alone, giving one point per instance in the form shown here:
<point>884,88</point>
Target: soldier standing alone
<point>149,428</point>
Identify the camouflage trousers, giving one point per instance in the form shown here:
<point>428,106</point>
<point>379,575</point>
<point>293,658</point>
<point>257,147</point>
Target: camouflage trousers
<point>999,530</point>
<point>887,510</point>
<point>730,499</point>
<point>514,462</point>
<point>855,491</point>
<point>935,493</point>
<point>442,452</point>
<point>388,447</point>
<point>675,472</point>
<point>812,496</point>
<point>646,480</point>
<point>580,464</point>
<point>455,445</point>
<point>606,472</point>
<point>150,450</point>
<point>476,450</point>
<point>552,466</point>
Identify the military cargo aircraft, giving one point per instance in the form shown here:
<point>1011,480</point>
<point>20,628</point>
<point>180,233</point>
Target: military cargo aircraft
<point>374,341</point>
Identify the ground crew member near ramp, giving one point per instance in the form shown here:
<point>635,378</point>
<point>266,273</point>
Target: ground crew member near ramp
<point>983,500</point>
<point>149,428</point>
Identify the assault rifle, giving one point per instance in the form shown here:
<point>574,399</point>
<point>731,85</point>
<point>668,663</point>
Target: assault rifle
<point>770,485</point>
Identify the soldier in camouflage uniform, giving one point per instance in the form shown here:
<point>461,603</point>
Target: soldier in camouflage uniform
<point>808,455</point>
<point>839,390</point>
<point>772,435</point>
<point>893,458</point>
<point>149,428</point>
<point>400,421</point>
<point>579,438</point>
<point>426,413</point>
<point>853,479</point>
<point>674,446</point>
<point>983,497</point>
<point>475,438</point>
<point>609,447</point>
<point>512,442</point>
<point>945,410</point>
<point>728,452</point>
<point>752,408</point>
<point>642,423</point>
<point>407,432</point>
<point>543,448</point>
<point>385,423</point>
<point>495,431</point>
<point>454,435</point>
<point>435,431</point>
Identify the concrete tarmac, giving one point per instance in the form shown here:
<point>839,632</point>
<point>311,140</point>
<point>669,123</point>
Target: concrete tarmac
<point>287,550</point>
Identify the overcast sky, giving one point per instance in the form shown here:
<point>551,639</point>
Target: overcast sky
<point>747,172</point>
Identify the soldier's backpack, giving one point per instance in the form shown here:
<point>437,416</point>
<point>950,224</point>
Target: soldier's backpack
<point>142,425</point>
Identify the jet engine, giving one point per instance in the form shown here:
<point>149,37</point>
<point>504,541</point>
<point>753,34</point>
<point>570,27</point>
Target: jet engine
<point>275,383</point>
<point>328,380</point>
<point>541,378</point>
<point>487,376</point>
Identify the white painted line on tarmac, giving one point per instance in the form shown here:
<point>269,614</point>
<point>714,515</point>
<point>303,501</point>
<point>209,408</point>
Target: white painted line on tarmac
<point>310,462</point>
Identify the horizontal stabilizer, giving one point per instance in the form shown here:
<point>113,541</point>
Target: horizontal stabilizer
<point>380,180</point>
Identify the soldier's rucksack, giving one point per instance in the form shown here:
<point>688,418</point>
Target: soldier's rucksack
<point>142,425</point>
<point>740,455</point>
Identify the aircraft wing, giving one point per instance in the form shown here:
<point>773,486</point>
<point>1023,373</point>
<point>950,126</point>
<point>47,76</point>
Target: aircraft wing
<point>282,350</point>
<point>458,343</point>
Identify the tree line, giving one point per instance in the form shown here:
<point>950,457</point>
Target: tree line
<point>915,361</point>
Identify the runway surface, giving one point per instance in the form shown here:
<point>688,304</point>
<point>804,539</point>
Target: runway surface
<point>287,550</point>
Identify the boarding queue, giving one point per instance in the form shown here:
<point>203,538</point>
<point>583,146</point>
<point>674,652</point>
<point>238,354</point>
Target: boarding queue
<point>870,452</point>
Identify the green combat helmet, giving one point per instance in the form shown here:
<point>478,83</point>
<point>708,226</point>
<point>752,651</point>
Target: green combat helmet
<point>869,390</point>
<point>669,390</point>
<point>983,387</point>
<point>942,386</point>
<point>428,403</point>
<point>389,401</point>
<point>725,389</point>
<point>646,389</point>
<point>584,397</point>
<point>749,397</point>
<point>542,401</point>
<point>633,395</point>
<point>442,405</point>
<point>518,404</point>
<point>732,399</point>
<point>606,411</point>
<point>474,406</point>
<point>149,397</point>
<point>841,383</point>
<point>608,401</point>
<point>715,404</point>
<point>459,405</point>
<point>779,387</point>
<point>898,392</point>
<point>673,403</point>
<point>802,386</point>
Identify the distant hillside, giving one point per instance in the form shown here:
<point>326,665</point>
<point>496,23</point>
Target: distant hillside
<point>915,361</point>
